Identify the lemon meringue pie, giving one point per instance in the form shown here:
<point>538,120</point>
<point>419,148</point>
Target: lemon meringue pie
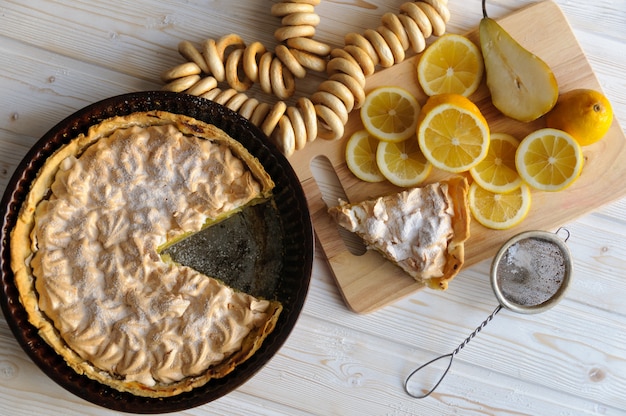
<point>86,254</point>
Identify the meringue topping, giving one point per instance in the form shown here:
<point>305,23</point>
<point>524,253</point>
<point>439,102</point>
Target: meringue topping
<point>95,259</point>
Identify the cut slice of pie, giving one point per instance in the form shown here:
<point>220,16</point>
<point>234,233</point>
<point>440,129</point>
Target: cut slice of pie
<point>422,230</point>
<point>85,253</point>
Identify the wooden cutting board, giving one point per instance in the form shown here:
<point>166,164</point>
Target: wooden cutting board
<point>368,282</point>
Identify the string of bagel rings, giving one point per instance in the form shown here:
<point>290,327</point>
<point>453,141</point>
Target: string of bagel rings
<point>229,60</point>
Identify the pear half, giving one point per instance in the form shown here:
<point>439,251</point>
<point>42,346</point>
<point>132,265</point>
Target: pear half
<point>522,85</point>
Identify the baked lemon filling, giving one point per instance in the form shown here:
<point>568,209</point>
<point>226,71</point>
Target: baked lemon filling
<point>86,254</point>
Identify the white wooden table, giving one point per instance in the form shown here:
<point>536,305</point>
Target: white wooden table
<point>59,56</point>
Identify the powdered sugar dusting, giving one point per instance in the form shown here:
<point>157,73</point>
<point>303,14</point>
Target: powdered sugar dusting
<point>531,271</point>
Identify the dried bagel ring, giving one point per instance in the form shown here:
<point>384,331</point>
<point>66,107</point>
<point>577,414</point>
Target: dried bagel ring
<point>237,101</point>
<point>360,41</point>
<point>202,86</point>
<point>287,32</point>
<point>298,126</point>
<point>342,53</point>
<point>214,53</point>
<point>362,58</point>
<point>348,67</point>
<point>333,102</point>
<point>309,45</point>
<point>211,94</point>
<point>355,87</point>
<point>232,68</point>
<point>289,60</point>
<point>339,90</point>
<point>247,108</point>
<point>181,84</point>
<point>283,136</point>
<point>264,72</point>
<point>307,109</point>
<point>189,52</point>
<point>272,117</point>
<point>180,71</point>
<point>392,22</point>
<point>250,54</point>
<point>436,21</point>
<point>223,97</point>
<point>416,38</point>
<point>282,81</point>
<point>380,45</point>
<point>301,18</point>
<point>228,41</point>
<point>441,8</point>
<point>419,17</point>
<point>329,126</point>
<point>309,60</point>
<point>394,44</point>
<point>259,113</point>
<point>216,64</point>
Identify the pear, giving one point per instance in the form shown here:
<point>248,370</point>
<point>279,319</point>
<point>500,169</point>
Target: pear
<point>522,85</point>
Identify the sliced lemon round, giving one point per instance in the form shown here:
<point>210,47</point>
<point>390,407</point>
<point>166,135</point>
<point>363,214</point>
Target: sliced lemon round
<point>452,133</point>
<point>451,64</point>
<point>497,172</point>
<point>549,160</point>
<point>402,163</point>
<point>361,157</point>
<point>390,113</point>
<point>499,211</point>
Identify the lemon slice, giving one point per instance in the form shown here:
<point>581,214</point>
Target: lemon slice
<point>452,64</point>
<point>402,163</point>
<point>361,157</point>
<point>452,133</point>
<point>390,113</point>
<point>549,159</point>
<point>497,172</point>
<point>499,211</point>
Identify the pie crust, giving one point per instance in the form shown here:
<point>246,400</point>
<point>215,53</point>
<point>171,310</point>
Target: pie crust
<point>422,230</point>
<point>85,254</point>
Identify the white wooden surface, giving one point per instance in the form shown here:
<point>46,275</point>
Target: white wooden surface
<point>58,56</point>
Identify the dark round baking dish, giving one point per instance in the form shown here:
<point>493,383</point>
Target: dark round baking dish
<point>290,290</point>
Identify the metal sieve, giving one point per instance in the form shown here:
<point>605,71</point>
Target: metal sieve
<point>530,274</point>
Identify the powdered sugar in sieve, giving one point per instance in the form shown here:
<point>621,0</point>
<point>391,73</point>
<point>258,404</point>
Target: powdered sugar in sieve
<point>529,274</point>
<point>531,271</point>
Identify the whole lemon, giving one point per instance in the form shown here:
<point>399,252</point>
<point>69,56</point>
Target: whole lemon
<point>583,113</point>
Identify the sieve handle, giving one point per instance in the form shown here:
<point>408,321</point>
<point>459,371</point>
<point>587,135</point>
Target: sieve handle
<point>449,356</point>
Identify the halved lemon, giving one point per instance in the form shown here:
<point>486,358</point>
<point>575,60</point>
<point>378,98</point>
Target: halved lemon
<point>402,163</point>
<point>497,172</point>
<point>451,64</point>
<point>499,211</point>
<point>452,133</point>
<point>390,113</point>
<point>361,157</point>
<point>549,159</point>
